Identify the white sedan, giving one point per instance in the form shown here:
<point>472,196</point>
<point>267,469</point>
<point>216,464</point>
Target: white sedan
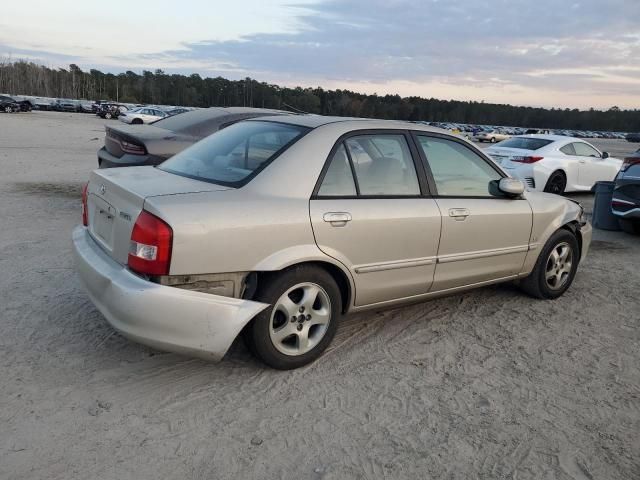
<point>142,115</point>
<point>554,163</point>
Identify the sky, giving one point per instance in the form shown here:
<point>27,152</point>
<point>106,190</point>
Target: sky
<point>550,53</point>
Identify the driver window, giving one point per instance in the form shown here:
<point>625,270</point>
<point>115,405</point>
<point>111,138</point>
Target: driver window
<point>584,150</point>
<point>457,170</point>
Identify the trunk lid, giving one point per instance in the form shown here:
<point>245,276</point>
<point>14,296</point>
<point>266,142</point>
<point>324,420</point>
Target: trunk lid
<point>502,156</point>
<point>116,196</point>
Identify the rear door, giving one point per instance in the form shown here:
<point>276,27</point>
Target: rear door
<point>484,237</point>
<point>371,211</point>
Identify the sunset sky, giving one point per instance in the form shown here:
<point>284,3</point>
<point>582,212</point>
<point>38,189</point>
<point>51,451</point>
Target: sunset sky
<point>552,53</point>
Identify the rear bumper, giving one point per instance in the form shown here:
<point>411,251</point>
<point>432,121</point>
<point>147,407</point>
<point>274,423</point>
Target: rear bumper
<point>167,318</point>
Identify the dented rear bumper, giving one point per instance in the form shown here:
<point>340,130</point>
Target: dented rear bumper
<point>167,318</point>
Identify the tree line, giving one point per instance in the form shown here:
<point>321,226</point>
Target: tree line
<point>158,87</point>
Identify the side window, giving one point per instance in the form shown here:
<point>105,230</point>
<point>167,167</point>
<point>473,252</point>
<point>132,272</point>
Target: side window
<point>568,149</point>
<point>383,165</point>
<point>584,150</point>
<point>456,169</point>
<point>338,181</point>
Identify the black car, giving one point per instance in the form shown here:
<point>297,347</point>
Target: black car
<point>626,194</point>
<point>25,105</point>
<point>110,110</point>
<point>135,145</point>
<point>633,137</point>
<point>8,104</point>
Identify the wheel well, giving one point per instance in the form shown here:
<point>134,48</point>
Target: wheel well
<point>574,228</point>
<point>336,273</point>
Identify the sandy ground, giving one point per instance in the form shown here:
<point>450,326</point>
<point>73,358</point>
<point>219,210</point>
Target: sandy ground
<point>487,385</point>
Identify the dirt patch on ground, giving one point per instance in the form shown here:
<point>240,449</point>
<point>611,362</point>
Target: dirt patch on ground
<point>486,385</point>
<point>67,190</point>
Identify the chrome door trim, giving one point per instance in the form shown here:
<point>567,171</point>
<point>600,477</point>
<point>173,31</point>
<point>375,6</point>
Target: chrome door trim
<point>382,266</point>
<point>482,254</point>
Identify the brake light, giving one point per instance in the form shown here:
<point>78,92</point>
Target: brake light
<point>629,162</point>
<point>528,159</point>
<point>132,148</point>
<point>85,211</point>
<point>150,247</point>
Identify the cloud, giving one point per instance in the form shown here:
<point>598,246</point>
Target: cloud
<point>590,47</point>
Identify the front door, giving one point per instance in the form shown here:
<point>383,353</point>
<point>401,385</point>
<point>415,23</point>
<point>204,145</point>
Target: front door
<point>484,237</point>
<point>370,213</point>
<point>591,167</point>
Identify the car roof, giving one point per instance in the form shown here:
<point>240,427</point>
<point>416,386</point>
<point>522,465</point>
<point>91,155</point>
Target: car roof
<point>314,121</point>
<point>553,138</point>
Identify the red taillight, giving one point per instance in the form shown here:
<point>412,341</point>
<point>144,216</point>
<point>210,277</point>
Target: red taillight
<point>526,159</point>
<point>629,162</point>
<point>150,248</point>
<point>85,211</point>
<point>132,148</point>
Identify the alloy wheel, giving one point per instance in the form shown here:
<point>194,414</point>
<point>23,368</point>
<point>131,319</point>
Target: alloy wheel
<point>300,319</point>
<point>559,263</point>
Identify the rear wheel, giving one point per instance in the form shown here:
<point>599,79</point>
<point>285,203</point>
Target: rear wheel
<point>557,183</point>
<point>493,140</point>
<point>136,121</point>
<point>630,226</point>
<point>107,115</point>
<point>301,321</point>
<point>8,109</point>
<point>555,268</point>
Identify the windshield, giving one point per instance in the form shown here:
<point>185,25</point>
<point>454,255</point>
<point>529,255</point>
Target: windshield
<point>525,143</point>
<point>236,154</point>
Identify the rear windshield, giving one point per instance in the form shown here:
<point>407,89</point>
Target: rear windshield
<point>236,154</point>
<point>525,143</point>
<point>190,121</point>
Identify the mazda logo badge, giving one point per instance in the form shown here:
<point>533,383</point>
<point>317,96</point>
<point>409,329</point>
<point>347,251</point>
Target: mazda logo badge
<point>103,189</point>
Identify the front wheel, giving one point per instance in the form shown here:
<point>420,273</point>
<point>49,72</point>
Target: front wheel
<point>8,109</point>
<point>493,140</point>
<point>108,115</point>
<point>555,268</point>
<point>305,308</point>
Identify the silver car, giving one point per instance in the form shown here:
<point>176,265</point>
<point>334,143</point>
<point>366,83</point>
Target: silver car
<point>275,228</point>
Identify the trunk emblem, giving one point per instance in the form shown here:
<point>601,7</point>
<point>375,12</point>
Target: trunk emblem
<point>103,189</point>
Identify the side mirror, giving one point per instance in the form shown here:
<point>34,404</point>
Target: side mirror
<point>511,187</point>
<point>605,155</point>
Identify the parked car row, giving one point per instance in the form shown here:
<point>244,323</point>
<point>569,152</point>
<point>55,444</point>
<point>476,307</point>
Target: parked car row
<point>483,132</point>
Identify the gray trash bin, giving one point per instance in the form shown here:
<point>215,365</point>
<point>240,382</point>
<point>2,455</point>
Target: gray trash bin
<point>602,216</point>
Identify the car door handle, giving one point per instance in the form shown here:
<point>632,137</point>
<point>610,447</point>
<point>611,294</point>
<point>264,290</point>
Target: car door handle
<point>583,161</point>
<point>337,219</point>
<point>459,213</point>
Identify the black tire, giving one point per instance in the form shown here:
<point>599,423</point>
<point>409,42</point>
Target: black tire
<point>557,183</point>
<point>270,289</point>
<point>8,109</point>
<point>108,115</point>
<point>136,121</point>
<point>629,226</point>
<point>493,140</point>
<point>536,283</point>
